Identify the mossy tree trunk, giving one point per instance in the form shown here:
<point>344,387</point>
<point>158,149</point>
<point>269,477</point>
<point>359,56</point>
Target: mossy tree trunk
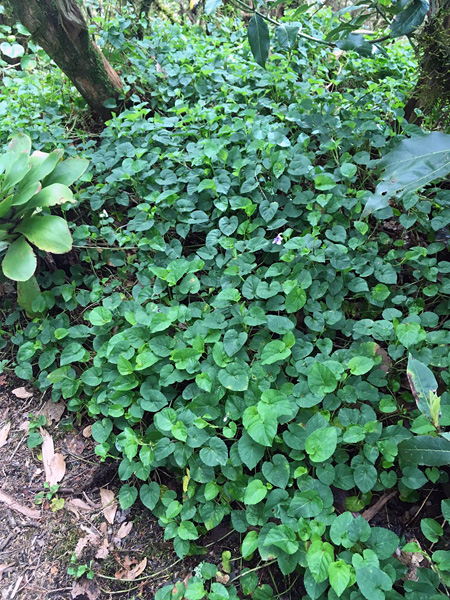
<point>432,92</point>
<point>60,27</point>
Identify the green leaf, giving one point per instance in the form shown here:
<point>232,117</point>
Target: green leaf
<point>67,171</point>
<point>48,233</point>
<point>307,504</point>
<point>20,261</point>
<point>260,421</point>
<point>215,454</point>
<point>233,341</point>
<point>234,377</point>
<point>413,164</point>
<point>321,444</point>
<point>50,196</point>
<point>255,492</point>
<point>324,182</point>
<point>212,5</point>
<point>406,21</point>
<point>149,494</point>
<point>410,334</point>
<point>287,34</point>
<point>357,43</point>
<point>73,352</point>
<point>359,365</point>
<point>250,452</point>
<point>282,537</point>
<point>101,430</point>
<point>277,471</point>
<point>274,351</point>
<point>127,496</point>
<point>319,557</point>
<point>365,477</point>
<point>373,582</point>
<point>383,542</point>
<point>195,589</point>
<point>422,382</point>
<point>187,531</point>
<point>250,544</point>
<point>100,316</point>
<point>295,300</point>
<point>28,292</point>
<point>259,39</point>
<point>426,450</point>
<point>445,508</point>
<point>321,379</point>
<point>340,574</point>
<point>431,529</point>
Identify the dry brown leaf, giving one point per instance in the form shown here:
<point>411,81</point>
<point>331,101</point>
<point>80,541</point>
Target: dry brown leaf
<point>222,578</point>
<point>52,411</point>
<point>386,361</point>
<point>87,431</point>
<point>14,505</point>
<point>85,588</point>
<point>109,504</point>
<point>103,551</point>
<point>133,573</point>
<point>412,560</point>
<point>103,528</point>
<point>4,431</point>
<point>75,444</point>
<point>77,506</point>
<point>124,530</point>
<point>54,464</point>
<point>22,393</point>
<point>91,539</point>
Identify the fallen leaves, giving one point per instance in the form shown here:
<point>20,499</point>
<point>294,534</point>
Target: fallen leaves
<point>77,506</point>
<point>54,463</point>
<point>4,432</point>
<point>109,504</point>
<point>14,505</point>
<point>85,588</point>
<point>22,393</point>
<point>52,411</point>
<point>124,530</point>
<point>412,560</point>
<point>127,574</point>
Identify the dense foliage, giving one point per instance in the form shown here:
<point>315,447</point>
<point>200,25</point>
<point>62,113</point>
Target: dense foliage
<point>228,315</point>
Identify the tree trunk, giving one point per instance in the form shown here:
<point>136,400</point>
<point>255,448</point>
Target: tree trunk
<point>432,92</point>
<point>60,27</point>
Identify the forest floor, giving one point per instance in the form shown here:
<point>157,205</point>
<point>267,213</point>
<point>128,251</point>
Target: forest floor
<point>128,553</point>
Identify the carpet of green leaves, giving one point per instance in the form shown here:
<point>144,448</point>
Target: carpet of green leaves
<point>232,320</point>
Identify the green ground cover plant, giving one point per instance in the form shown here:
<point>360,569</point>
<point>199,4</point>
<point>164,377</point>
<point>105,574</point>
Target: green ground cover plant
<point>235,319</point>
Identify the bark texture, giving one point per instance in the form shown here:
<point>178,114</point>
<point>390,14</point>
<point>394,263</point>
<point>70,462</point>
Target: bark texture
<point>432,93</point>
<point>59,26</point>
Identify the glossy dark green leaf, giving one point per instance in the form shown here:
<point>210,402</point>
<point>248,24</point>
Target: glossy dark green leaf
<point>406,21</point>
<point>259,39</point>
